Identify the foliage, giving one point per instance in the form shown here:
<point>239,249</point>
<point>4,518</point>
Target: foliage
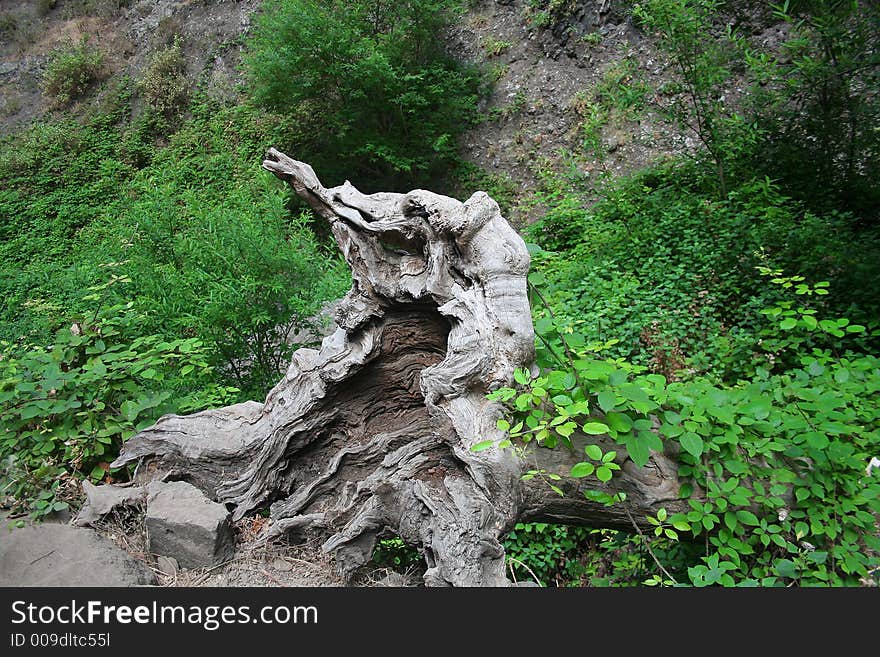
<point>818,106</point>
<point>207,237</point>
<point>703,56</point>
<point>395,554</point>
<point>72,69</point>
<point>666,270</point>
<point>374,95</point>
<point>546,551</point>
<point>67,408</point>
<point>780,458</point>
<point>57,178</point>
<point>546,13</point>
<point>619,97</point>
<point>214,251</point>
<point>495,47</point>
<point>164,84</point>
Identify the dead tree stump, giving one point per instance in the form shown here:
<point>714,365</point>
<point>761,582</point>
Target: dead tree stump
<point>372,432</point>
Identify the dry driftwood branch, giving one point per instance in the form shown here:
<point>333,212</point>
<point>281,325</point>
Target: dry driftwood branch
<point>372,432</point>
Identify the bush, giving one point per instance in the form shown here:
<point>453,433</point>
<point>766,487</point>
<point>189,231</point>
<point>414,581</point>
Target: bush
<point>818,106</point>
<point>164,84</point>
<point>71,71</point>
<point>66,409</point>
<point>780,458</point>
<point>215,252</point>
<point>373,94</point>
<point>667,270</point>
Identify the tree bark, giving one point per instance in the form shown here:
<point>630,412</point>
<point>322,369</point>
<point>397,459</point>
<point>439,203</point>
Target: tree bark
<point>373,431</point>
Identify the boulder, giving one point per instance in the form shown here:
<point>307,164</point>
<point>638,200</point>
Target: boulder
<point>101,500</point>
<point>60,555</point>
<point>184,524</point>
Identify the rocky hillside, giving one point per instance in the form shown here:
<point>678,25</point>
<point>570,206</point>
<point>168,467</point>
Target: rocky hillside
<point>127,33</point>
<point>546,68</point>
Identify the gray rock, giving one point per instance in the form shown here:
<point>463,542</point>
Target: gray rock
<point>184,524</point>
<point>101,500</point>
<point>60,555</point>
<point>8,67</point>
<point>168,565</point>
<point>281,565</point>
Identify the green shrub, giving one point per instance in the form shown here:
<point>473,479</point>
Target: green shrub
<point>66,409</point>
<point>374,96</point>
<point>667,271</point>
<point>495,47</point>
<point>214,250</point>
<point>817,104</point>
<point>780,457</point>
<point>164,84</point>
<point>71,71</point>
<point>548,552</point>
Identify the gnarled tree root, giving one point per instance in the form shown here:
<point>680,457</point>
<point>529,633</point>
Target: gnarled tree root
<point>372,432</point>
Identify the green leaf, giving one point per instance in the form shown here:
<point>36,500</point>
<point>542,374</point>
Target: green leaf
<point>634,393</point>
<point>692,443</point>
<point>788,323</point>
<point>537,278</point>
<point>785,568</point>
<point>521,376</point>
<point>603,474</point>
<point>502,425</point>
<point>595,428</point>
<point>620,422</point>
<point>638,451</point>
<point>582,469</point>
<point>566,429</point>
<point>129,410</point>
<point>557,490</point>
<point>594,452</point>
<point>607,400</point>
<point>817,440</point>
<point>480,446</point>
<point>747,518</point>
<point>30,411</point>
<point>544,326</point>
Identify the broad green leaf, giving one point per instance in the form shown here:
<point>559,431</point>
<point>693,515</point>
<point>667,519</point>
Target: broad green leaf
<point>480,446</point>
<point>638,451</point>
<point>582,469</point>
<point>607,400</point>
<point>595,428</point>
<point>603,474</point>
<point>620,422</point>
<point>692,443</point>
<point>785,568</point>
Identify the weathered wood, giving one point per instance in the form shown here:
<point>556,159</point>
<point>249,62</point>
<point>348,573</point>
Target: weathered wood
<point>373,431</point>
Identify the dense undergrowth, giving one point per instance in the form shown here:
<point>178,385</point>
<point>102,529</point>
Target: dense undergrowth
<point>722,303</point>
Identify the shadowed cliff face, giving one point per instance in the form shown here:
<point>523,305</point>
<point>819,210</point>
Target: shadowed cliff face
<point>127,33</point>
<point>542,69</point>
